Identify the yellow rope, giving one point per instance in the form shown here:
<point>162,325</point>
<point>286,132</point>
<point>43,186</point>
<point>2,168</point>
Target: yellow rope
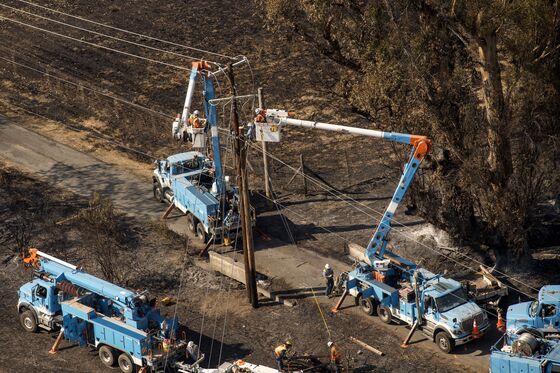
<point>321,311</point>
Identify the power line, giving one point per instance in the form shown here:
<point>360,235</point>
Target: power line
<point>101,34</point>
<point>88,88</point>
<point>128,31</point>
<point>96,45</point>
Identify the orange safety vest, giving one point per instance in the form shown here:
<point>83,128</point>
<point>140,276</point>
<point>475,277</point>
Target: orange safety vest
<point>280,350</point>
<point>335,355</point>
<point>195,121</point>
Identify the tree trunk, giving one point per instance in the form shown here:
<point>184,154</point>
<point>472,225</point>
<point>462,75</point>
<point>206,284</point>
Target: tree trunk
<point>499,147</point>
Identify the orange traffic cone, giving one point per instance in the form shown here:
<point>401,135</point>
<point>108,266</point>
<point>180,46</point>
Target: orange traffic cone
<point>475,331</point>
<point>501,324</point>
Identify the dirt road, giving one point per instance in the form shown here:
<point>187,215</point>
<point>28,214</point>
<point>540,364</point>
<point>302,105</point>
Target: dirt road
<point>298,268</point>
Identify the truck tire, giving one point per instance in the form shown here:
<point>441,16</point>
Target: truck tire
<point>191,223</point>
<point>107,356</point>
<point>158,193</point>
<point>126,364</point>
<point>200,233</point>
<point>444,342</point>
<point>384,313</point>
<point>28,321</point>
<point>368,305</point>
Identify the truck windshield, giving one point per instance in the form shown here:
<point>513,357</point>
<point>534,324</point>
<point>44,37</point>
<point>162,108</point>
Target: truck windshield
<point>451,300</point>
<point>534,308</point>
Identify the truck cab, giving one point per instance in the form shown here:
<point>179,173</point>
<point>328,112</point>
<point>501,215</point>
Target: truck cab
<point>39,306</point>
<point>542,313</point>
<point>449,315</point>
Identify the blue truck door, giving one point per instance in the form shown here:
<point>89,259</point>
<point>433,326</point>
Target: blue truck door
<point>430,307</point>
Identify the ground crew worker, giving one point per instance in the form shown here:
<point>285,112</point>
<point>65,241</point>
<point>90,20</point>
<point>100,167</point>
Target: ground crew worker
<point>328,274</point>
<point>335,356</point>
<point>280,353</point>
<point>194,120</point>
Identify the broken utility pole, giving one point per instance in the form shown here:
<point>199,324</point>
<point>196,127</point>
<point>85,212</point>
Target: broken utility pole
<point>268,191</point>
<point>247,229</point>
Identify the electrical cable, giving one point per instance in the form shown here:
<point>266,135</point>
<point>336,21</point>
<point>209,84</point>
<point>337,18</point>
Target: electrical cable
<point>185,256</point>
<point>88,88</point>
<point>104,35</point>
<point>128,31</point>
<point>96,45</point>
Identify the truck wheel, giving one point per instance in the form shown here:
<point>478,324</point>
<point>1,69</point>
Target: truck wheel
<point>384,313</point>
<point>158,193</point>
<point>444,342</point>
<point>126,364</point>
<point>28,321</point>
<point>191,224</point>
<point>107,355</point>
<point>368,305</point>
<point>200,233</point>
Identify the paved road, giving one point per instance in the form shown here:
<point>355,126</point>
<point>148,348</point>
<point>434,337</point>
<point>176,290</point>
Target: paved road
<point>83,174</point>
<point>80,173</point>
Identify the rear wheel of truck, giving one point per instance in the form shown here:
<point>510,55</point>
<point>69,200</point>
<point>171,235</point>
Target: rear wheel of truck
<point>28,321</point>
<point>126,364</point>
<point>384,313</point>
<point>107,356</point>
<point>191,223</point>
<point>368,305</point>
<point>200,233</point>
<point>444,342</point>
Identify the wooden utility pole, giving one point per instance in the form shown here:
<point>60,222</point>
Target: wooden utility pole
<point>267,188</point>
<point>245,211</point>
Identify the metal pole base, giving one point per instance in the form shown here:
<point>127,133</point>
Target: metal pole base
<point>407,339</point>
<point>336,308</point>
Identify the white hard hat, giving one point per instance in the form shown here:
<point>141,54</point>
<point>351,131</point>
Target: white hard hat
<point>190,344</point>
<point>196,112</point>
<point>329,343</point>
<point>327,266</point>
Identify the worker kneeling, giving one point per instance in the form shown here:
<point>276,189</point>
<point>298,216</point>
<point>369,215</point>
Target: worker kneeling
<point>281,353</point>
<point>335,356</point>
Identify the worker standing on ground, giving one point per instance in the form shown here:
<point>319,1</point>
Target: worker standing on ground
<point>335,356</point>
<point>328,274</point>
<point>280,352</point>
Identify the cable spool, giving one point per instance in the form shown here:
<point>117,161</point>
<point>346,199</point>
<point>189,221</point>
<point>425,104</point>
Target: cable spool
<point>525,345</point>
<point>68,288</point>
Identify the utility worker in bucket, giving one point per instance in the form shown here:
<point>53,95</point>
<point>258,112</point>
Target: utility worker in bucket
<point>280,353</point>
<point>334,356</point>
<point>195,121</point>
<point>328,274</point>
